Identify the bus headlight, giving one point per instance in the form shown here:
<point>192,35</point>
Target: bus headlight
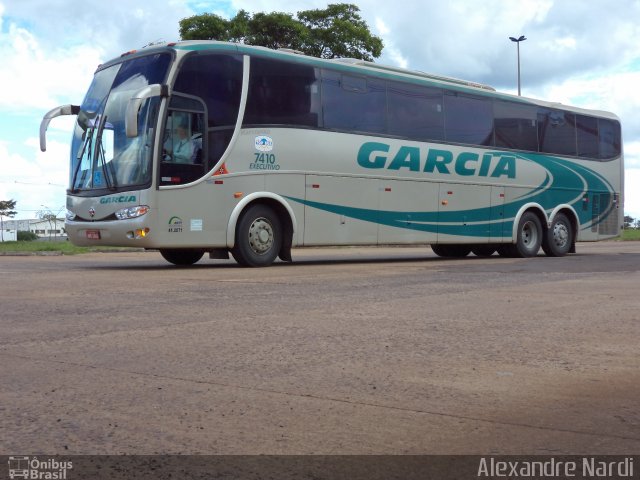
<point>70,215</point>
<point>133,212</point>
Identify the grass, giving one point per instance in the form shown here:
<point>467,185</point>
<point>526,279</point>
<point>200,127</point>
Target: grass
<point>64,247</point>
<point>630,234</point>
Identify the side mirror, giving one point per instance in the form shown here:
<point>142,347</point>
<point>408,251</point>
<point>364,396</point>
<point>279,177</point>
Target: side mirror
<point>50,115</point>
<point>133,107</point>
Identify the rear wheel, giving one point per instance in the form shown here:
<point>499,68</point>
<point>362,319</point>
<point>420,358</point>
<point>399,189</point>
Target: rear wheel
<point>182,256</point>
<point>483,250</point>
<point>258,237</point>
<point>453,251</point>
<point>506,250</point>
<point>559,237</point>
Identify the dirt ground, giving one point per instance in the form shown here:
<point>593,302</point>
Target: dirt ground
<point>345,351</point>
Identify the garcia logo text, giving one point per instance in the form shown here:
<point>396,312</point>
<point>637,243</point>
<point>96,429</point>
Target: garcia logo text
<point>430,160</point>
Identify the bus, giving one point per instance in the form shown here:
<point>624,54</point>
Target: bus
<point>209,147</point>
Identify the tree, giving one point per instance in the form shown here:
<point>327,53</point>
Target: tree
<point>6,210</point>
<point>629,221</point>
<point>337,31</point>
<point>207,26</point>
<point>52,219</point>
<point>275,30</point>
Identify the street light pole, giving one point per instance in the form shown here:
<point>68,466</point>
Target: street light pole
<point>521,38</point>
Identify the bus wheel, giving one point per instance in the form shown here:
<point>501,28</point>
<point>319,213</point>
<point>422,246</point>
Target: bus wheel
<point>483,250</point>
<point>258,237</point>
<point>529,236</point>
<point>182,256</point>
<point>506,250</point>
<point>453,251</point>
<point>557,241</point>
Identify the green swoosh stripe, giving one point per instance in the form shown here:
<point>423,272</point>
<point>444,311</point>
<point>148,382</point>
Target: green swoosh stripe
<point>565,183</point>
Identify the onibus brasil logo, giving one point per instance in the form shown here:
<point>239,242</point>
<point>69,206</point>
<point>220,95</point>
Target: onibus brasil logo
<point>34,468</point>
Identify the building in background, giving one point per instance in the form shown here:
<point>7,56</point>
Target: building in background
<point>45,229</point>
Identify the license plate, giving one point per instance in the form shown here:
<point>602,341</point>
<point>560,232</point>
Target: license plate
<point>93,234</point>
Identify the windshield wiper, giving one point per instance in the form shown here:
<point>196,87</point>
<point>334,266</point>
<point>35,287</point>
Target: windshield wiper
<point>101,157</point>
<point>88,140</point>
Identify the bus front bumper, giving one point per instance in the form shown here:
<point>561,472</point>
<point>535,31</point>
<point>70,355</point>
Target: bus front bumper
<point>135,232</point>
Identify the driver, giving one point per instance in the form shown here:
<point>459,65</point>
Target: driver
<point>180,147</point>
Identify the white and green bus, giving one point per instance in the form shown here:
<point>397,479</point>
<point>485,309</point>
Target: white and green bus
<point>210,147</point>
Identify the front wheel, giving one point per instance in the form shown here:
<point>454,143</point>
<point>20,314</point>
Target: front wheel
<point>182,256</point>
<point>258,237</point>
<point>559,237</point>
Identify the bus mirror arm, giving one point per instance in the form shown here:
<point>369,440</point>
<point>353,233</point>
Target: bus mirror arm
<point>50,115</point>
<point>133,107</point>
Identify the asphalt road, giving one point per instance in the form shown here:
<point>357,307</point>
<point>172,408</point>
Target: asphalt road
<point>345,351</point>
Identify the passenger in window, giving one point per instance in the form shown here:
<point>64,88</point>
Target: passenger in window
<point>183,147</point>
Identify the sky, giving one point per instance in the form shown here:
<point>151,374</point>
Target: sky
<point>579,53</point>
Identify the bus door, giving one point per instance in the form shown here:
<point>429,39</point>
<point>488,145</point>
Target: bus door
<point>183,158</point>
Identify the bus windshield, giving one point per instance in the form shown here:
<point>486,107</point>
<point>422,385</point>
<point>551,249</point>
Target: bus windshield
<point>102,156</point>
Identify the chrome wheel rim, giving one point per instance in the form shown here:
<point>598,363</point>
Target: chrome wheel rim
<point>560,234</point>
<point>529,235</point>
<point>261,236</point>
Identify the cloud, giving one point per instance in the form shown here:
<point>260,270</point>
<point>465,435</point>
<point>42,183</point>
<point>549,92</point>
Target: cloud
<point>632,195</point>
<point>391,51</point>
<point>35,78</point>
<point>632,154</point>
<point>34,179</point>
<point>564,38</point>
<point>109,27</point>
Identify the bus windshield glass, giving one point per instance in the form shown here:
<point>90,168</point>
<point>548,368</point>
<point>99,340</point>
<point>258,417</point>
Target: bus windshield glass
<point>102,156</point>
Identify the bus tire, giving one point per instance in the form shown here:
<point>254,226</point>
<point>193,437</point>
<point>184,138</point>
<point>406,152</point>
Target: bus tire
<point>258,237</point>
<point>483,250</point>
<point>506,250</point>
<point>181,256</point>
<point>529,236</point>
<point>451,251</point>
<point>559,237</point>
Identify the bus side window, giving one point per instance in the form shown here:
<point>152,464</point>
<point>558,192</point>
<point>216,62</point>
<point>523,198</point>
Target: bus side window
<point>468,119</point>
<point>557,132</point>
<point>282,93</point>
<point>354,104</point>
<point>415,112</point>
<point>609,139</point>
<point>516,125</point>
<point>587,131</point>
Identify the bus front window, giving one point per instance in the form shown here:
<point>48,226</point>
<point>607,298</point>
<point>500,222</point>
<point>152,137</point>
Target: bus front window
<point>102,156</point>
